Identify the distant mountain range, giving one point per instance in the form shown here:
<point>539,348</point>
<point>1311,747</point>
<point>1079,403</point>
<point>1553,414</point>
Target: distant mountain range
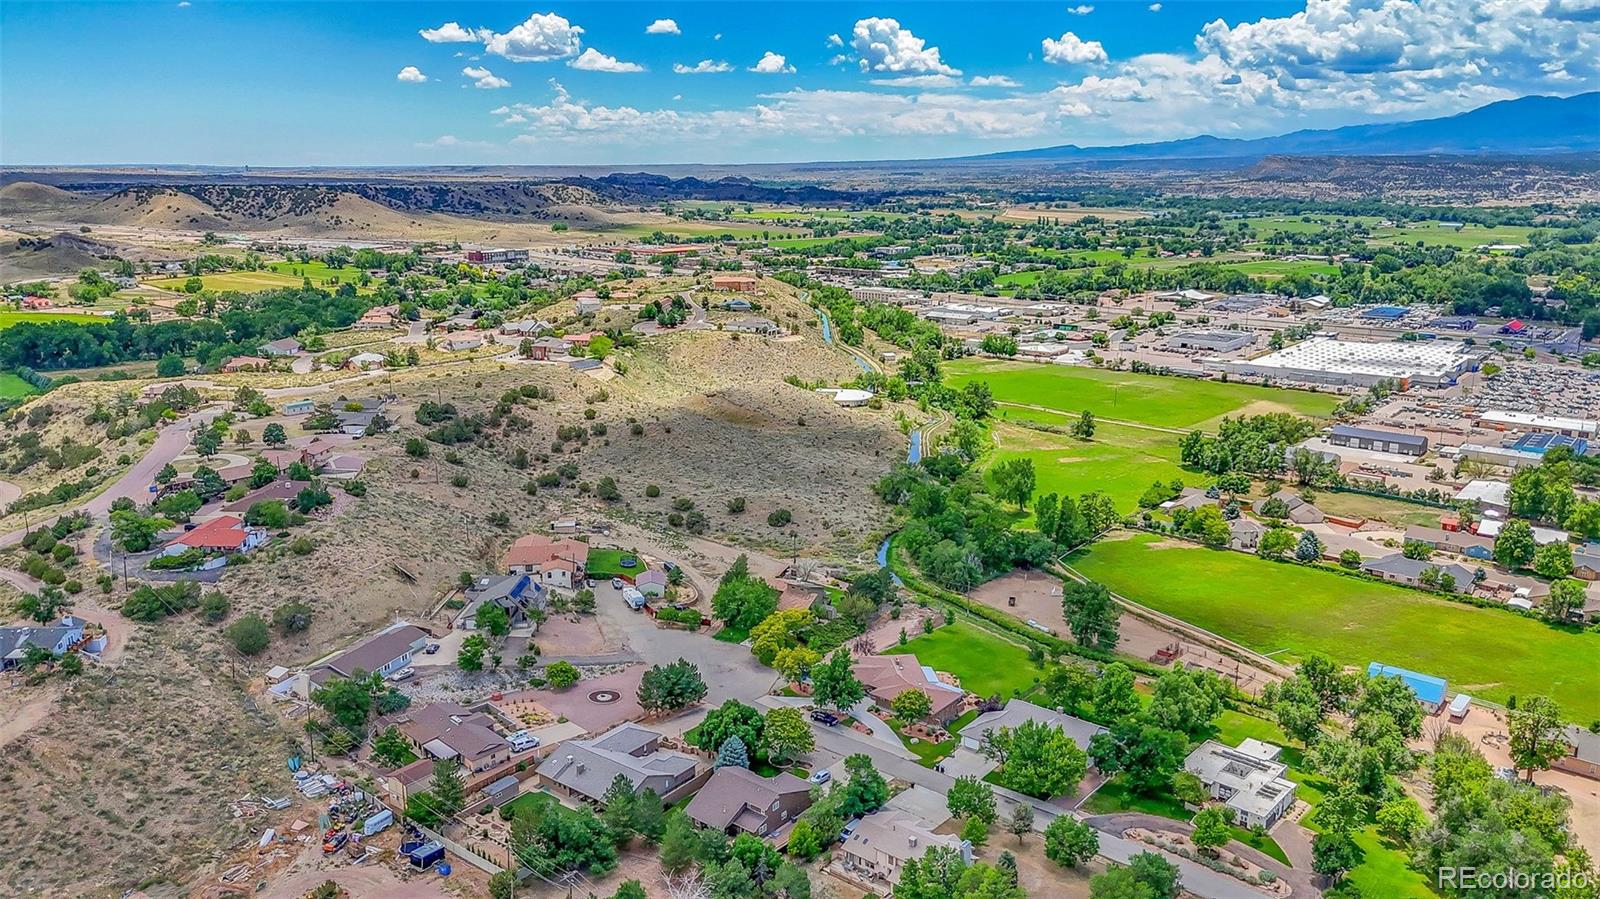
<point>1523,127</point>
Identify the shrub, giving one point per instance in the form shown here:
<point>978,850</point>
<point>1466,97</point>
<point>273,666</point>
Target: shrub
<point>459,480</point>
<point>292,617</point>
<point>779,518</point>
<point>214,606</point>
<point>652,491</point>
<point>249,634</point>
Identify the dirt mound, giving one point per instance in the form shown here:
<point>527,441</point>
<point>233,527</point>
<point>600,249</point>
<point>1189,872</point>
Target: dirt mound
<point>31,197</point>
<point>22,256</point>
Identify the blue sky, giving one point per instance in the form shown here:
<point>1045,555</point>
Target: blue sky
<point>335,83</point>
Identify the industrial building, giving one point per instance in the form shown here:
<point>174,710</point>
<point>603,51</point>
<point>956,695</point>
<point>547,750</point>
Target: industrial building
<point>1357,364</point>
<point>1378,441</point>
<point>1210,341</point>
<point>1507,420</point>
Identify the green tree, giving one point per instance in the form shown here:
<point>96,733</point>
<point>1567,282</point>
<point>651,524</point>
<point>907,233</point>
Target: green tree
<point>470,656</point>
<point>680,845</point>
<point>834,684</point>
<point>1118,883</point>
<point>617,808</point>
<point>171,365</point>
<point>1553,560</point>
<point>1297,708</point>
<point>274,435</point>
<point>1114,696</point>
<point>1083,428</point>
<point>1566,597</point>
<point>1036,758</point>
<point>911,706</point>
<point>249,635</point>
<point>865,791</point>
<point>741,601</point>
<point>970,797</point>
<point>391,749</point>
<point>1275,542</point>
<point>1155,872</point>
<point>1537,735</point>
<point>1014,481</point>
<point>1401,820</point>
<point>449,792</point>
<point>292,617</point>
<point>787,734</point>
<point>733,753</point>
<point>1212,829</point>
<point>1069,842</point>
<point>1091,614</point>
<point>1021,821</point>
<point>348,700</point>
<point>492,617</point>
<point>665,688</point>
<point>1068,686</point>
<point>975,831</point>
<point>1145,755</point>
<point>1187,699</point>
<point>134,532</point>
<point>562,674</point>
<point>1332,854</point>
<point>1514,547</point>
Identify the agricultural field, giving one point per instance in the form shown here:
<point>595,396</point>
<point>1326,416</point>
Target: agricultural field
<point>1291,611</point>
<point>1120,461</point>
<point>13,387</point>
<point>9,318</point>
<point>244,282</point>
<point>1165,402</point>
<point>318,272</point>
<point>1465,237</point>
<point>1279,268</point>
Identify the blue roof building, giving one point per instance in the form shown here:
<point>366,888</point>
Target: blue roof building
<point>1387,313</point>
<point>1430,690</point>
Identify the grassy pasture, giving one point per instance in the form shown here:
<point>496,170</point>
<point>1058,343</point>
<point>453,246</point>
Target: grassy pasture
<point>13,387</point>
<point>1167,402</point>
<point>1292,611</point>
<point>1120,461</point>
<point>986,663</point>
<point>1466,237</point>
<point>244,282</point>
<point>9,318</point>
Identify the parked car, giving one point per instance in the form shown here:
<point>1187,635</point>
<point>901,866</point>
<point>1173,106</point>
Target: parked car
<point>522,741</point>
<point>616,583</point>
<point>822,717</point>
<point>430,649</point>
<point>403,674</point>
<point>820,777</point>
<point>589,583</point>
<point>669,566</point>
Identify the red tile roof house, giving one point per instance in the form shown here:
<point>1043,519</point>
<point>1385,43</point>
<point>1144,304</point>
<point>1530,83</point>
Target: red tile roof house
<point>557,563</point>
<point>223,534</point>
<point>886,677</point>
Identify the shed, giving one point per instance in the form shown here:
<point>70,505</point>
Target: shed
<point>1459,707</point>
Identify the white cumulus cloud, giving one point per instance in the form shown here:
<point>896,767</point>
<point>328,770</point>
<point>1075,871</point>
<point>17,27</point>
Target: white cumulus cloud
<point>917,81</point>
<point>448,33</point>
<point>1073,49</point>
<point>884,46</point>
<point>1154,7</point>
<point>662,26</point>
<point>592,60</point>
<point>993,81</point>
<point>772,64</point>
<point>411,74</point>
<point>483,79</point>
<point>834,40</point>
<point>543,37</point>
<point>1082,9</point>
<point>703,67</point>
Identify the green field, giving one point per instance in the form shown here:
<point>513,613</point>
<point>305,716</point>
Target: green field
<point>1167,402</point>
<point>607,563</point>
<point>1466,237</point>
<point>1394,511</point>
<point>13,387</point>
<point>9,318</point>
<point>244,282</point>
<point>1291,611</point>
<point>319,272</point>
<point>1120,461</point>
<point>1278,268</point>
<point>985,663</point>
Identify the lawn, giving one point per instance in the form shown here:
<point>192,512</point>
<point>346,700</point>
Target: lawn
<point>9,318</point>
<point>1396,512</point>
<point>1120,461</point>
<point>244,282</point>
<point>13,387</point>
<point>930,754</point>
<point>1168,402</point>
<point>1291,611</point>
<point>986,664</point>
<point>607,563</point>
<point>320,273</point>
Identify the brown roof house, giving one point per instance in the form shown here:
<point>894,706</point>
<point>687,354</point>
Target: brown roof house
<point>737,800</point>
<point>445,730</point>
<point>882,843</point>
<point>585,769</point>
<point>556,562</point>
<point>886,677</point>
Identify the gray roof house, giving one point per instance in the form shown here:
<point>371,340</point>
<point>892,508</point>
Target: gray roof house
<point>1586,561</point>
<point>384,654</point>
<point>1245,533</point>
<point>1248,779</point>
<point>1402,570</point>
<point>1583,757</point>
<point>1018,711</point>
<point>737,800</point>
<point>1300,511</point>
<point>518,594</point>
<point>54,638</point>
<point>584,769</point>
<point>753,325</point>
<point>284,346</point>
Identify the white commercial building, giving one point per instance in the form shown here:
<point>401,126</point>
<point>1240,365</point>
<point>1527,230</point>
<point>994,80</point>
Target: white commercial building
<point>1539,424</point>
<point>1427,363</point>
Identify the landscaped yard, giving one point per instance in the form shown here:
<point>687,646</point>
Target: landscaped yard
<point>607,563</point>
<point>930,754</point>
<point>985,663</point>
<point>1292,610</point>
<point>1125,396</point>
<point>1120,461</point>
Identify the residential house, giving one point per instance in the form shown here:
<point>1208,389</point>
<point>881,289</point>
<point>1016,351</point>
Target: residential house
<point>882,843</point>
<point>526,327</point>
<point>355,424</point>
<point>1586,561</point>
<point>651,583</point>
<point>1488,495</point>
<point>556,562</point>
<point>459,342</point>
<point>589,305</point>
<point>299,407</point>
<point>1401,570</point>
<point>444,730</point>
<point>1300,511</point>
<point>1190,498</point>
<point>1018,711</point>
<point>738,305</point>
<point>245,363</point>
<point>56,639</point>
<point>753,325</point>
<point>887,676</point>
<point>286,346</point>
<point>1245,533</point>
<point>377,318</point>
<point>1462,543</point>
<point>1430,691</point>
<point>316,453</point>
<point>1248,779</point>
<point>518,594</point>
<point>364,361</point>
<point>737,800</point>
<point>386,652</point>
<point>585,769</point>
<point>282,491</point>
<point>1583,756</point>
<point>545,347</point>
<point>223,534</point>
<point>733,282</point>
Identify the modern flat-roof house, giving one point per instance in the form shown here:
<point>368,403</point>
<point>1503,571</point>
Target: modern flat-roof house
<point>882,843</point>
<point>555,562</point>
<point>1018,711</point>
<point>1430,690</point>
<point>887,676</point>
<point>584,769</point>
<point>1378,441</point>
<point>1410,572</point>
<point>737,800</point>
<point>1248,779</point>
<point>284,346</point>
<point>55,639</point>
